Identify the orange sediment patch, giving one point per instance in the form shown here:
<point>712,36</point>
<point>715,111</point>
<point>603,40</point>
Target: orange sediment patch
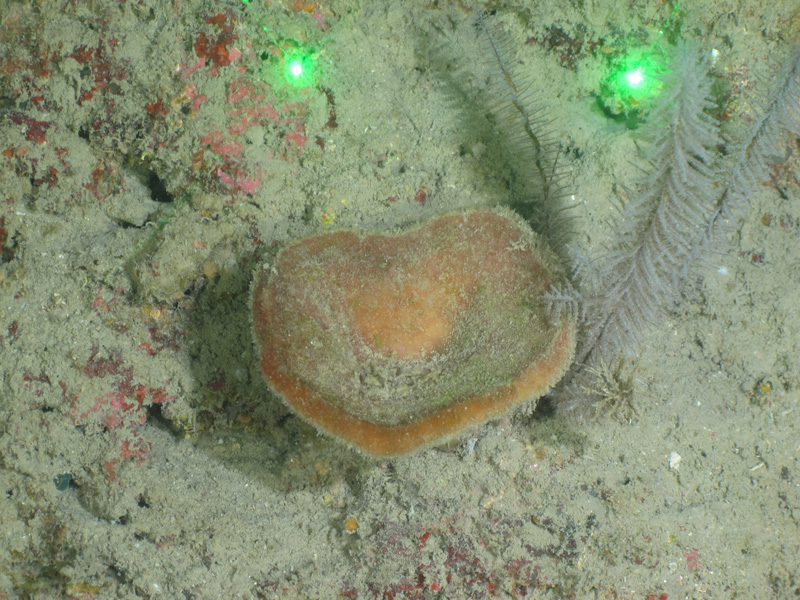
<point>393,342</point>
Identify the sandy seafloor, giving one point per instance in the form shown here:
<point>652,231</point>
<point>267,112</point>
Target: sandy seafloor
<point>141,454</point>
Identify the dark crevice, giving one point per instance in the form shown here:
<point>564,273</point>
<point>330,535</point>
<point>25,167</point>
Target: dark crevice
<point>158,191</point>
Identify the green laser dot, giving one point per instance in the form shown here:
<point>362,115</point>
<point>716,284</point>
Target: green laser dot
<point>635,79</point>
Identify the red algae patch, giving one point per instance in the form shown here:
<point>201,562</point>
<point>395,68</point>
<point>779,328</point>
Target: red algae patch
<point>397,341</point>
